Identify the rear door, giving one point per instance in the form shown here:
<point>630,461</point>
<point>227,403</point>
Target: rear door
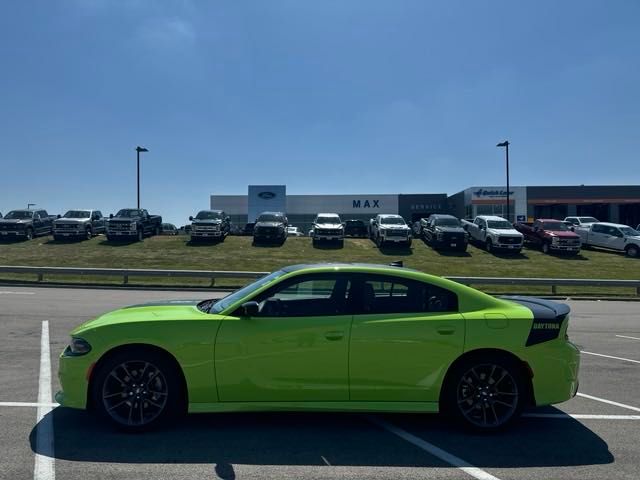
<point>404,336</point>
<point>599,235</point>
<point>295,349</point>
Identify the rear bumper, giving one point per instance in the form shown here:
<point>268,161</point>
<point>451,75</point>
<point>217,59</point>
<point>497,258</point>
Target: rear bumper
<point>555,367</point>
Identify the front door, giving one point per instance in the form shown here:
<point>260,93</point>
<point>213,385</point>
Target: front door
<point>295,349</point>
<point>405,334</point>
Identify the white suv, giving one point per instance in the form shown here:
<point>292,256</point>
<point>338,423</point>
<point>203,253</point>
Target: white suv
<point>327,227</point>
<point>387,228</point>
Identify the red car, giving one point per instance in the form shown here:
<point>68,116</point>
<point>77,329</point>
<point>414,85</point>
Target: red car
<point>552,236</point>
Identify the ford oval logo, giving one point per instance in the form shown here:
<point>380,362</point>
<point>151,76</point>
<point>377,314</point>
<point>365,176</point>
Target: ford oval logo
<point>266,195</point>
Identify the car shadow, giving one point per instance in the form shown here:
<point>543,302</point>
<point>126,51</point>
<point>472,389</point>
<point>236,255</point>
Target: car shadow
<point>117,243</point>
<point>202,243</point>
<point>509,256</point>
<point>225,439</point>
<point>328,246</point>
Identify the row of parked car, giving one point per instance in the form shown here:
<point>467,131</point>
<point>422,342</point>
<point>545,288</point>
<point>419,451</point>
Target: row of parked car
<point>494,233</point>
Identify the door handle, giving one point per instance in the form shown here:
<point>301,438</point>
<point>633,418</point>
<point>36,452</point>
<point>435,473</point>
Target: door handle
<point>446,330</point>
<point>334,335</point>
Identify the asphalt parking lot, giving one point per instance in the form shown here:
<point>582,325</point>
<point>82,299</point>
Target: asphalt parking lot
<point>594,436</point>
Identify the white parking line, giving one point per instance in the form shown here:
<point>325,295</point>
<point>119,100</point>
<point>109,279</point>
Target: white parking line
<point>28,404</point>
<point>625,336</point>
<point>44,467</point>
<point>581,416</point>
<point>435,451</point>
<point>610,402</point>
<point>609,356</point>
<point>6,292</point>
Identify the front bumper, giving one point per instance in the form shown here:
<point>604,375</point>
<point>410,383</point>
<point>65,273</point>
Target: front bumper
<point>445,242</point>
<point>268,236</point>
<point>395,239</point>
<point>73,373</point>
<point>206,234</point>
<point>564,248</point>
<point>13,233</point>
<point>328,237</point>
<point>508,247</point>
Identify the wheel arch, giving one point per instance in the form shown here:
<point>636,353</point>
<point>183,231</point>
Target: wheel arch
<point>480,353</point>
<point>138,347</point>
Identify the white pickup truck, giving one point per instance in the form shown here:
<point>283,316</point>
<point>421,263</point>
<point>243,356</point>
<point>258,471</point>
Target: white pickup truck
<point>584,222</point>
<point>494,233</point>
<point>612,236</point>
<point>388,228</point>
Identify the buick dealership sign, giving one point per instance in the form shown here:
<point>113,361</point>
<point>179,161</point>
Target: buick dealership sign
<point>488,194</point>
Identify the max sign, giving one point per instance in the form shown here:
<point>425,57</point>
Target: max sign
<point>366,204</point>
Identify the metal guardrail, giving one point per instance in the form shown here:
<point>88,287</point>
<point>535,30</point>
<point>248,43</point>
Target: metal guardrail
<point>125,273</point>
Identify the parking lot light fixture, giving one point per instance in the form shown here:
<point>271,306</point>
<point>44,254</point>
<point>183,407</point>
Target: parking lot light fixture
<point>138,150</point>
<point>505,144</point>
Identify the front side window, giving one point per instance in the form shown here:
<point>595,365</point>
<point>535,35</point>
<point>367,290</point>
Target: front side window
<point>387,295</point>
<point>308,296</point>
<point>629,232</point>
<point>598,229</point>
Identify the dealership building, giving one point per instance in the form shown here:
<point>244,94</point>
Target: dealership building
<point>613,203</point>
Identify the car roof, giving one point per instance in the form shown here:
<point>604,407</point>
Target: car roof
<point>214,211</point>
<point>491,217</point>
<point>389,215</point>
<point>442,215</point>
<point>271,213</point>
<point>548,220</point>
<point>345,267</point>
<point>328,214</point>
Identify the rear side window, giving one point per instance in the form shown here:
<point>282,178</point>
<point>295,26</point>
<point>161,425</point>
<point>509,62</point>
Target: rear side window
<point>385,294</point>
<point>599,229</point>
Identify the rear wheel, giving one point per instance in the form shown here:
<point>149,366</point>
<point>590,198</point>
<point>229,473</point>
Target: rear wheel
<point>485,393</point>
<point>137,389</point>
<point>632,251</point>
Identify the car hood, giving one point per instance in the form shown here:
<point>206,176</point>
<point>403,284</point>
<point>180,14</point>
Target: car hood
<point>14,220</point>
<point>328,225</point>
<point>269,224</point>
<point>71,220</point>
<point>571,235</point>
<point>395,227</point>
<point>450,229</point>
<point>124,219</point>
<point>207,222</point>
<point>174,310</point>
<point>508,231</point>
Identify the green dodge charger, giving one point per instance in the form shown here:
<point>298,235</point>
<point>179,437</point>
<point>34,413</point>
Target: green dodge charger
<point>326,337</point>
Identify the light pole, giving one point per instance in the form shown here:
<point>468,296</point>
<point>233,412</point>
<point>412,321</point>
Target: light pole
<point>505,144</point>
<point>138,150</point>
<point>29,205</point>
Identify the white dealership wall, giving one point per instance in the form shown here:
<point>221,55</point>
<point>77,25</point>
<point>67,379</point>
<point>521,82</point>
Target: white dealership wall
<point>274,198</point>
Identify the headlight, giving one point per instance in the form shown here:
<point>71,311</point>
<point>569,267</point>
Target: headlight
<point>132,226</point>
<point>439,235</point>
<point>77,347</point>
<point>555,240</point>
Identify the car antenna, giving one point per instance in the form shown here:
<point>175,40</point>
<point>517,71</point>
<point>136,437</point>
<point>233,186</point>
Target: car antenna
<point>396,263</point>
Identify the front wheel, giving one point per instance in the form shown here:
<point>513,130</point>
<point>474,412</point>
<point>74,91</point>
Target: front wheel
<point>137,389</point>
<point>140,235</point>
<point>29,234</point>
<point>379,241</point>
<point>485,393</point>
<point>88,234</point>
<point>546,247</point>
<point>489,245</point>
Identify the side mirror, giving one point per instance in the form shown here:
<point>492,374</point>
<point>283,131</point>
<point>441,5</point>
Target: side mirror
<point>111,215</point>
<point>58,216</point>
<point>250,309</point>
<point>191,218</point>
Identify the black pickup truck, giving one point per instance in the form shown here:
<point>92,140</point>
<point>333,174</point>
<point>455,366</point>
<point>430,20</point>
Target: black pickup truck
<point>445,232</point>
<point>270,227</point>
<point>26,224</point>
<point>133,223</point>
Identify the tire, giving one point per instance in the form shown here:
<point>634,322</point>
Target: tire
<point>314,243</point>
<point>89,234</point>
<point>140,236</point>
<point>57,238</point>
<point>29,235</point>
<point>409,243</point>
<point>379,241</point>
<point>341,243</point>
<point>546,248</point>
<point>156,231</point>
<point>137,389</point>
<point>489,245</point>
<point>109,238</point>
<point>632,251</point>
<point>485,393</point>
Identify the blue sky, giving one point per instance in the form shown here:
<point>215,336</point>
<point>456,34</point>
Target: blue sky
<point>327,96</point>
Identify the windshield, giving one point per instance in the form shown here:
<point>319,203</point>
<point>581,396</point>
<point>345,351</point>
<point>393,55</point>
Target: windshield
<point>328,219</point>
<point>77,214</point>
<point>588,219</point>
<point>269,218</point>
<point>128,213</point>
<point>244,292</point>
<point>355,223</point>
<point>205,215</point>
<point>499,225</point>
<point>555,226</point>
<point>392,221</point>
<point>447,222</point>
<point>18,215</point>
<point>629,232</point>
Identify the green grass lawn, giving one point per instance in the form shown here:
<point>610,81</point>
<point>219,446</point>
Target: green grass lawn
<point>237,253</point>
